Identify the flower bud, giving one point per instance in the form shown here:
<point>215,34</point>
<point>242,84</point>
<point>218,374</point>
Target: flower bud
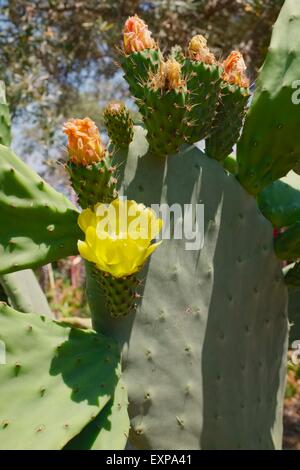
<point>137,36</point>
<point>199,51</point>
<point>235,70</point>
<point>169,76</point>
<point>84,141</point>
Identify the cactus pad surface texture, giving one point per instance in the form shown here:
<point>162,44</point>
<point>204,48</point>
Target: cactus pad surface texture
<point>61,388</point>
<point>207,336</point>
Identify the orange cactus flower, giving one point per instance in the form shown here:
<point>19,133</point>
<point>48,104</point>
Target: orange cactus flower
<point>235,70</point>
<point>199,51</point>
<point>84,141</point>
<point>137,36</point>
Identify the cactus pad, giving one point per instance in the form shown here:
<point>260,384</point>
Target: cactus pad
<point>228,121</point>
<point>203,85</point>
<point>268,148</point>
<point>55,380</point>
<point>119,124</point>
<point>195,351</point>
<point>109,430</point>
<point>40,224</point>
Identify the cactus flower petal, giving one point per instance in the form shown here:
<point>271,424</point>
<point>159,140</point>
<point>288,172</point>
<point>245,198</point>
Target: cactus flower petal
<point>118,236</point>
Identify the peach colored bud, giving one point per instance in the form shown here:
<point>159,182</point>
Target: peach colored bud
<point>235,70</point>
<point>199,51</point>
<point>137,36</point>
<point>168,77</point>
<point>84,142</point>
<point>173,74</point>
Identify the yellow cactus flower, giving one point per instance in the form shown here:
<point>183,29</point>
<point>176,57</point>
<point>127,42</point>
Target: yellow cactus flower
<point>137,36</point>
<point>235,70</point>
<point>84,141</point>
<point>199,51</point>
<point>118,236</point>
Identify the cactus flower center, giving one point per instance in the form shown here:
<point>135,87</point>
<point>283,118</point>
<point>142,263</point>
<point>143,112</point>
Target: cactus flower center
<point>235,70</point>
<point>137,36</point>
<point>118,236</point>
<point>199,51</point>
<point>84,141</point>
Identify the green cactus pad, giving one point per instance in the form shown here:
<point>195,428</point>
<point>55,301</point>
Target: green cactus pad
<point>137,67</point>
<point>119,124</point>
<point>93,183</point>
<point>205,354</point>
<point>163,113</point>
<point>228,121</point>
<point>203,87</point>
<point>24,292</point>
<point>280,203</point>
<point>269,146</point>
<point>5,122</point>
<point>40,223</point>
<point>55,381</point>
<point>230,165</point>
<point>109,430</point>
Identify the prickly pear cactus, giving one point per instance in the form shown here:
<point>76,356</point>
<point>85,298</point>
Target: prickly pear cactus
<point>119,124</point>
<point>204,348</point>
<point>51,381</point>
<point>268,148</point>
<point>203,78</point>
<point>40,224</point>
<point>193,337</point>
<point>24,292</point>
<point>90,164</point>
<point>231,109</point>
